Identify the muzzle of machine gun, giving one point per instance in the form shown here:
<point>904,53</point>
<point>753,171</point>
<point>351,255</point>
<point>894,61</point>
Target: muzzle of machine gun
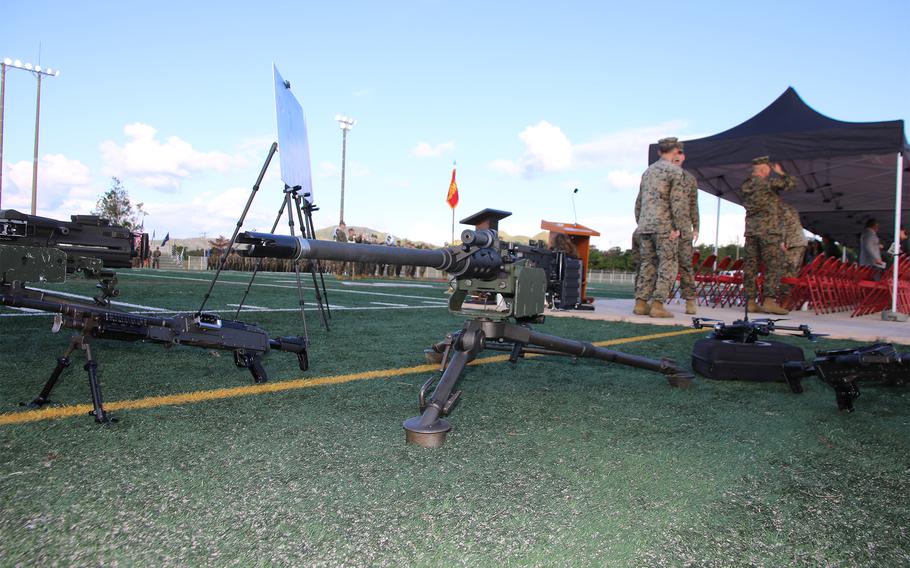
<point>476,258</point>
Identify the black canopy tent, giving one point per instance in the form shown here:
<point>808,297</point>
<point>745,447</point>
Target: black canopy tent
<point>846,172</point>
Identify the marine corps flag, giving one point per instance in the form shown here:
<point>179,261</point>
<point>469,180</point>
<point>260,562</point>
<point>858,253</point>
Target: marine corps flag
<point>452,197</point>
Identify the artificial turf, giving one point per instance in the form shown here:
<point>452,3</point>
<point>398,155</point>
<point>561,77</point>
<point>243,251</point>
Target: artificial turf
<point>550,462</point>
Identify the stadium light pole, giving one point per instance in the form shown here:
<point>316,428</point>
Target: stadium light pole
<point>3,65</point>
<point>38,72</point>
<point>346,123</point>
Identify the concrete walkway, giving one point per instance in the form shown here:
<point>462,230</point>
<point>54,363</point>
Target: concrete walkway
<point>838,325</point>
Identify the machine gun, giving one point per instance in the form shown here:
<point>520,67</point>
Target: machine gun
<point>39,262</point>
<point>482,265</point>
<point>88,245</point>
<point>841,369</point>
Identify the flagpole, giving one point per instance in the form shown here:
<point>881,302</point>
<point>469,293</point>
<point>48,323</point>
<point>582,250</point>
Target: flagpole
<point>452,242</point>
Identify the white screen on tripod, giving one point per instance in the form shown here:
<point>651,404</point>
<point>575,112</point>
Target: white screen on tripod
<point>293,145</point>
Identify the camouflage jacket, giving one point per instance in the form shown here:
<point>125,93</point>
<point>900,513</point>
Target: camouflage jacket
<point>792,227</point>
<point>690,220</point>
<point>762,203</point>
<point>664,203</point>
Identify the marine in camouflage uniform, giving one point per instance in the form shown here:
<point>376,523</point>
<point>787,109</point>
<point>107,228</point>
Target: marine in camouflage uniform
<point>663,206</point>
<point>341,236</point>
<point>688,230</point>
<point>794,238</point>
<point>636,243</point>
<point>764,233</point>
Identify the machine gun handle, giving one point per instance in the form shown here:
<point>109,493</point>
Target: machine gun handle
<point>253,362</point>
<point>795,372</point>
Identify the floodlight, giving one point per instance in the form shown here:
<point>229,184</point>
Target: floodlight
<point>17,63</point>
<point>56,73</point>
<point>38,68</point>
<point>8,61</point>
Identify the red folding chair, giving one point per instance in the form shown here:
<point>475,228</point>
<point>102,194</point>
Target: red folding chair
<point>731,285</point>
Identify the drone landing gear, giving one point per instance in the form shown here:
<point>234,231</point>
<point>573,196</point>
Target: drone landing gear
<point>429,429</point>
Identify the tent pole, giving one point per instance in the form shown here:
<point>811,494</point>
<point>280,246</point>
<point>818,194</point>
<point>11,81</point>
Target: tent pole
<point>897,230</point>
<point>717,229</point>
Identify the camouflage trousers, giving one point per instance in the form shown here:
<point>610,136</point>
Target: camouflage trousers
<point>636,258</point>
<point>686,271</point>
<point>763,250</point>
<point>795,259</point>
<point>658,267</point>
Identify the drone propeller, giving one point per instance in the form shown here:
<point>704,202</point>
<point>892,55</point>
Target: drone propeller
<point>769,320</point>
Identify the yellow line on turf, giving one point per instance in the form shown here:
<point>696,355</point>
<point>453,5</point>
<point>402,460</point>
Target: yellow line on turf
<point>57,412</point>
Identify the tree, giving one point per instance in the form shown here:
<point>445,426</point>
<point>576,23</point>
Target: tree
<point>115,205</point>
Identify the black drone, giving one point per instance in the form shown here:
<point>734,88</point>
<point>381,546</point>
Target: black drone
<point>748,331</point>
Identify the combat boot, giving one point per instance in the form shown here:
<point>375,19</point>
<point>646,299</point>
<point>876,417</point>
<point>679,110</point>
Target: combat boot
<point>641,308</point>
<point>658,310</point>
<point>690,307</point>
<point>754,308</point>
<point>771,306</point>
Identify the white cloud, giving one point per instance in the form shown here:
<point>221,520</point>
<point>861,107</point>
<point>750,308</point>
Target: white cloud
<point>328,170</point>
<point>623,179</point>
<point>64,187</point>
<point>426,150</point>
<point>548,149</point>
<point>628,147</point>
<point>506,166</point>
<point>158,164</point>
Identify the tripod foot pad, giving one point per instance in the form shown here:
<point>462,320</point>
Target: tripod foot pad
<point>432,436</point>
<point>680,380</point>
<point>432,356</point>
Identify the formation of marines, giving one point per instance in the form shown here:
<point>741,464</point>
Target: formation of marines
<point>666,212</point>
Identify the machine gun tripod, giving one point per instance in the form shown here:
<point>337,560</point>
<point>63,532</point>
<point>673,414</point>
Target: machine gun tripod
<point>482,265</point>
<point>429,429</point>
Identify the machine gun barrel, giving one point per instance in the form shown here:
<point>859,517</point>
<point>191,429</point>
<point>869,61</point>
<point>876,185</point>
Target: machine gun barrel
<point>466,262</point>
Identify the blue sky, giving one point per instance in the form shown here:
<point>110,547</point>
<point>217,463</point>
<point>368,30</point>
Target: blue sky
<point>532,99</point>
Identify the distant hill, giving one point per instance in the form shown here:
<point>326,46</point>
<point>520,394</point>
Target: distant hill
<point>202,243</point>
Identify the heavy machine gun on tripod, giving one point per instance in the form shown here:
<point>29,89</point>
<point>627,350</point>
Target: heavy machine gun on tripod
<point>32,249</point>
<point>482,265</point>
<point>90,245</point>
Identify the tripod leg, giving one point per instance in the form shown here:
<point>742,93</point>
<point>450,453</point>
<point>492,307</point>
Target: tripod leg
<point>63,362</point>
<point>91,367</point>
<point>307,231</point>
<point>676,375</point>
<point>429,430</point>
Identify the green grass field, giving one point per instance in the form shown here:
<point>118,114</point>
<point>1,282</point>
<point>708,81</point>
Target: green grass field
<point>550,461</point>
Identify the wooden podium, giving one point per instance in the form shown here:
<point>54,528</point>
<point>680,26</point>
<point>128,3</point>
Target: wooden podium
<point>581,238</point>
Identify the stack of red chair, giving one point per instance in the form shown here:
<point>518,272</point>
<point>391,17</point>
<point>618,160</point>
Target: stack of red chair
<point>876,296</point>
<point>701,274</point>
<point>675,288</point>
<point>729,290</point>
<point>708,287</point>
